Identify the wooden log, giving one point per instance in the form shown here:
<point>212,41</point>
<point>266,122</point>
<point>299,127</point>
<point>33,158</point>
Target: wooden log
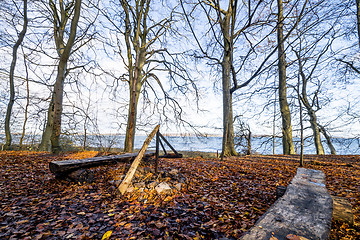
<point>130,174</point>
<point>342,210</point>
<point>173,149</point>
<point>64,167</point>
<point>157,152</point>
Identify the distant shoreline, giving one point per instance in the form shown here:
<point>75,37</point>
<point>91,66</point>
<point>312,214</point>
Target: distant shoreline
<point>170,135</point>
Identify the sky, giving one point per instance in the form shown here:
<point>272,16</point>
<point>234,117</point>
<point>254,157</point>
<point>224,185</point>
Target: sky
<point>107,109</point>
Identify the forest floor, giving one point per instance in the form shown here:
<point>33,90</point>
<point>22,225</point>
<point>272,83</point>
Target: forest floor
<point>220,199</point>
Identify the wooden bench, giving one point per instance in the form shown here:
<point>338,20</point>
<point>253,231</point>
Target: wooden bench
<point>63,167</point>
<point>305,210</point>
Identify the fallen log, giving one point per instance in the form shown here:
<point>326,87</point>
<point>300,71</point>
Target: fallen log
<point>66,166</point>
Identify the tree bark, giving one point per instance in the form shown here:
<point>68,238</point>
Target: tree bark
<point>11,79</point>
<point>135,85</point>
<point>58,100</point>
<point>316,132</point>
<point>131,122</point>
<point>288,147</point>
<point>45,144</point>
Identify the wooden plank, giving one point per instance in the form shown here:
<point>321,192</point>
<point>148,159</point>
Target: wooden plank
<point>157,152</point>
<point>66,166</point>
<point>130,174</point>
<point>305,210</point>
<point>173,149</point>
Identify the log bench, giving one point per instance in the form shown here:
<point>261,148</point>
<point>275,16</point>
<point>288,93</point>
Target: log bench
<point>67,166</point>
<point>305,211</point>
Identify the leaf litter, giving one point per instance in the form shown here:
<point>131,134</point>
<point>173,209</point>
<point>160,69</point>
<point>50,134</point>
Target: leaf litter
<point>219,199</point>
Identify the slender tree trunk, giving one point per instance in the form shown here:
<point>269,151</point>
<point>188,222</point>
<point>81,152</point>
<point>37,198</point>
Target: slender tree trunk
<point>358,18</point>
<point>45,144</point>
<point>26,106</point>
<point>274,120</point>
<point>131,123</point>
<point>58,100</point>
<point>135,88</point>
<point>301,130</point>
<point>313,120</point>
<point>249,142</point>
<point>316,132</point>
<point>11,79</point>
<point>288,147</point>
<point>328,139</point>
<point>85,133</point>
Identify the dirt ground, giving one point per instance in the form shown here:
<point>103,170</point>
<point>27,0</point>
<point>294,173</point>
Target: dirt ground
<point>219,199</point>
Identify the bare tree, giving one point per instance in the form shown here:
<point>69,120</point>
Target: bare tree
<point>225,37</point>
<point>11,79</point>
<point>238,23</point>
<point>70,34</point>
<point>141,41</point>
<point>310,110</point>
<point>243,136</point>
<point>311,54</point>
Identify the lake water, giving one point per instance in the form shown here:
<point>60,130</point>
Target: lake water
<point>262,145</point>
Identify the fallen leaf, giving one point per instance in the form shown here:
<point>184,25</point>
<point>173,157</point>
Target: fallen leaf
<point>106,235</point>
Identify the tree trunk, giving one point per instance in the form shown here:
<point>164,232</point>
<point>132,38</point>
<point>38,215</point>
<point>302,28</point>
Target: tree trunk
<point>26,106</point>
<point>301,136</point>
<point>135,87</point>
<point>316,132</point>
<point>288,147</point>
<point>358,18</point>
<point>313,120</point>
<point>131,123</point>
<point>228,148</point>
<point>328,139</point>
<point>249,142</point>
<point>58,100</point>
<point>11,79</point>
<point>45,144</point>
